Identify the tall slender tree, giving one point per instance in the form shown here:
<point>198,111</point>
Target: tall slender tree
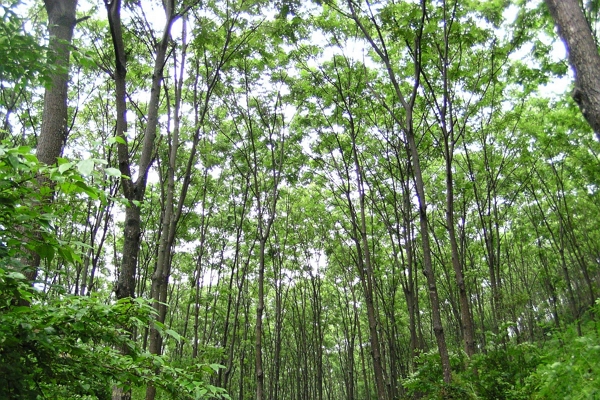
<point>134,188</point>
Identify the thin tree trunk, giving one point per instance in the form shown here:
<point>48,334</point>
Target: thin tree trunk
<point>260,306</point>
<point>266,211</point>
<point>162,272</point>
<point>365,266</point>
<point>457,262</point>
<point>407,123</point>
<point>134,191</point>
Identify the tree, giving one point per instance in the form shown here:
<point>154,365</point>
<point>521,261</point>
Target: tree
<point>344,199</point>
<point>53,135</point>
<point>134,190</point>
<point>54,131</point>
<point>583,56</point>
<point>376,40</point>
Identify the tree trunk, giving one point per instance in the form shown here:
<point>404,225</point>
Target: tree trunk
<point>406,123</point>
<point>260,306</point>
<point>468,331</point>
<point>134,191</point>
<point>575,32</point>
<point>438,329</point>
<point>53,134</point>
<point>61,23</point>
<point>365,266</point>
<point>160,277</point>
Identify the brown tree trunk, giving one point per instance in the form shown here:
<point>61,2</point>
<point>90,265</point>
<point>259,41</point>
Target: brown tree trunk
<point>239,271</point>
<point>406,123</point>
<point>61,23</point>
<point>260,306</point>
<point>446,121</point>
<point>126,281</point>
<point>134,191</point>
<point>575,31</point>
<point>468,331</point>
<point>438,329</point>
<point>162,272</point>
<point>266,193</point>
<point>53,134</point>
<point>365,266</point>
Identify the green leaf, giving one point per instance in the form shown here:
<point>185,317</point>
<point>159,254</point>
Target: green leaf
<point>173,334</point>
<point>85,167</point>
<point>15,275</point>
<point>66,254</point>
<point>113,172</point>
<point>116,139</point>
<point>92,192</point>
<point>45,251</point>
<point>64,167</point>
<point>216,367</point>
<point>24,150</point>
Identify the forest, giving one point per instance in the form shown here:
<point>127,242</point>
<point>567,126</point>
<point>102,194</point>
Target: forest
<point>299,200</point>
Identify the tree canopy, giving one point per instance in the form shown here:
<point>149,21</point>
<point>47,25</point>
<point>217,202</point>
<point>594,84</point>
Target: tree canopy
<point>298,200</point>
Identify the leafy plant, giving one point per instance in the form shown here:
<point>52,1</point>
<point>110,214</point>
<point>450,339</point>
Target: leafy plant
<point>427,381</point>
<point>501,371</point>
<point>26,219</point>
<point>26,65</point>
<point>71,346</point>
<point>571,366</point>
<point>66,346</point>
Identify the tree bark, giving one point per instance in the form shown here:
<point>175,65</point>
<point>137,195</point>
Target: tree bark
<point>61,24</point>
<point>160,277</point>
<point>365,266</point>
<point>575,32</point>
<point>53,133</point>
<point>134,191</point>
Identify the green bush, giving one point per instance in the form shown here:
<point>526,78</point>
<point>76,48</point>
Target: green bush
<point>500,373</point>
<point>427,381</point>
<point>70,347</point>
<point>571,367</point>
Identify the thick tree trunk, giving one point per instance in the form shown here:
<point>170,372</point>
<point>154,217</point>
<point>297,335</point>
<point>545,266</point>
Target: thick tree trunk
<point>53,134</point>
<point>575,31</point>
<point>61,23</point>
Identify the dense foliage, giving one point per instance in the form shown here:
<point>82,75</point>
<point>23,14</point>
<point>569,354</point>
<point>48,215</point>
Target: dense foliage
<point>296,200</point>
<point>57,345</point>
